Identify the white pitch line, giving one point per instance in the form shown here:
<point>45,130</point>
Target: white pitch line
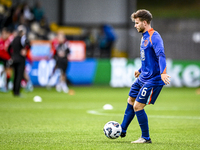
<point>94,112</point>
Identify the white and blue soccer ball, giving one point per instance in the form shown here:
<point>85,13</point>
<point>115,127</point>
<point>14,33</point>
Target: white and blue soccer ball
<point>112,129</point>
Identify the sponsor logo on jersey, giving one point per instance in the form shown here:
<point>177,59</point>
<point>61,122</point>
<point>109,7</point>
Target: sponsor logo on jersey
<point>142,55</point>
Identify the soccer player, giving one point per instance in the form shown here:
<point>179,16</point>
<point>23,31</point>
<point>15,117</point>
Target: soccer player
<point>150,77</point>
<point>60,48</point>
<point>5,40</point>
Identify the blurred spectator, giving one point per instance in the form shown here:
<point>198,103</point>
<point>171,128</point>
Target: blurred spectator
<point>44,24</point>
<point>15,15</point>
<point>106,39</point>
<point>2,11</point>
<point>39,31</point>
<point>38,12</point>
<point>6,19</point>
<point>40,21</point>
<point>34,19</point>
<point>27,14</point>
<point>89,40</point>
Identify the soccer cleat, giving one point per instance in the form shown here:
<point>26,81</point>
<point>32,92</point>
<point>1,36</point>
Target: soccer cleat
<point>29,86</point>
<point>123,134</point>
<point>141,140</point>
<point>64,87</point>
<point>58,87</point>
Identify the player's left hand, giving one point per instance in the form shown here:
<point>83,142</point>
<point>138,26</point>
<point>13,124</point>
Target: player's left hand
<point>165,78</point>
<point>23,52</point>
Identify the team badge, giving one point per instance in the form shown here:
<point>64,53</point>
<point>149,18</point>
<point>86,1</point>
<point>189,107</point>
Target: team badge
<point>145,42</point>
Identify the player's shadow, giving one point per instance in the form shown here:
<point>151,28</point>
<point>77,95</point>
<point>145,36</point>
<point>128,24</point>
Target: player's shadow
<point>116,141</point>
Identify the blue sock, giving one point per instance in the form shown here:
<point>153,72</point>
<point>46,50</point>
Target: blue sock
<point>143,122</point>
<point>128,117</point>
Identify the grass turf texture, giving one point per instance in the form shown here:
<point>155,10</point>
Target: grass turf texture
<point>62,121</point>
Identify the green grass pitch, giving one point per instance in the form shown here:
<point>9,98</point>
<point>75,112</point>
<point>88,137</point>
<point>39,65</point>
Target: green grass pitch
<point>76,122</point>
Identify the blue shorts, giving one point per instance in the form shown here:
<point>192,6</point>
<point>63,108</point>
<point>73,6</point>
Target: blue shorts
<point>145,93</point>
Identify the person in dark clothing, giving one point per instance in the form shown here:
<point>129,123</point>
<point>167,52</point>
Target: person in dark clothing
<point>19,45</point>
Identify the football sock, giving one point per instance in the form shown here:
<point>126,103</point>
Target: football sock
<point>128,117</point>
<point>143,122</point>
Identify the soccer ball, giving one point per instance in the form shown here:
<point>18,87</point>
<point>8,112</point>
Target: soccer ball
<point>112,129</point>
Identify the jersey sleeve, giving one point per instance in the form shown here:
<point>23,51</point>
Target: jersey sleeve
<point>140,70</point>
<point>158,47</point>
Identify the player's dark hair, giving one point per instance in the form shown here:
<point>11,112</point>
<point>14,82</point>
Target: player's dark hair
<point>5,29</point>
<point>143,15</point>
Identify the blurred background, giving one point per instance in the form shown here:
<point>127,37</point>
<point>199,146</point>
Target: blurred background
<point>103,41</point>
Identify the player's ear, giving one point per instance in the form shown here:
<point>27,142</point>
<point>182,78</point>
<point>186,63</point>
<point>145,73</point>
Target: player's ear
<point>145,23</point>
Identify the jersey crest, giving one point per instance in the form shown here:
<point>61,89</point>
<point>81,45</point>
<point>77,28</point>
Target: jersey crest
<point>146,43</point>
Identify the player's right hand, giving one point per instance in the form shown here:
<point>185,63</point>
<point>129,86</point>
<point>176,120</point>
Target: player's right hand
<point>137,73</point>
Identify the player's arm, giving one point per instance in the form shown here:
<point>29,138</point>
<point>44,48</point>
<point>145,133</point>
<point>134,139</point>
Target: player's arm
<point>159,50</point>
<point>67,50</point>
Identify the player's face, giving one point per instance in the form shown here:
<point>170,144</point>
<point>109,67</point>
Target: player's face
<point>139,25</point>
<point>4,35</point>
<point>61,37</point>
